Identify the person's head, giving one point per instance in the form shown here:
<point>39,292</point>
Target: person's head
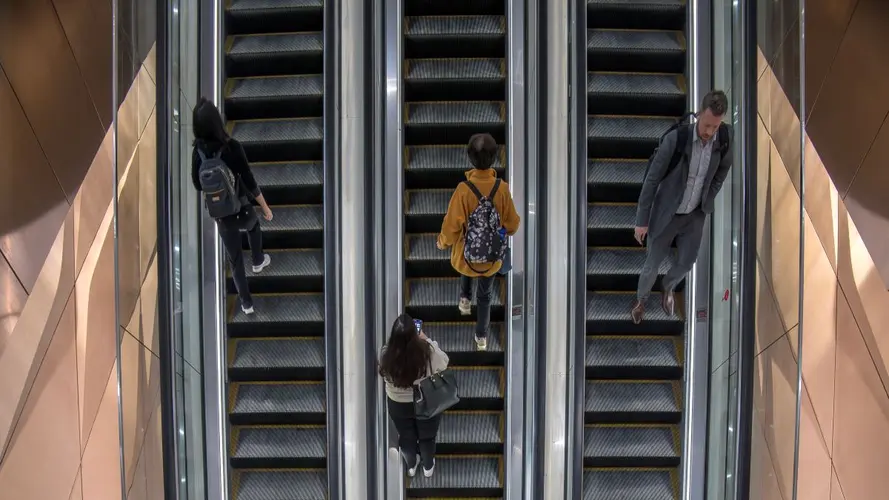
<point>406,355</point>
<point>207,123</point>
<point>482,151</point>
<point>713,109</point>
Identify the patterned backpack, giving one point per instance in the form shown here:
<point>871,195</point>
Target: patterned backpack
<point>483,240</point>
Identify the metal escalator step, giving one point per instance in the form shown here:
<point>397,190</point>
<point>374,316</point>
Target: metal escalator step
<point>636,41</point>
<point>459,476</point>
<point>275,53</point>
<point>443,292</point>
<point>275,44</point>
<point>289,183</point>
<point>423,159</point>
<point>272,5</point>
<point>455,70</point>
<point>293,226</point>
<point>625,484</point>
<point>278,130</point>
<point>615,180</point>
<point>632,402</point>
<point>289,315</point>
<point>273,16</point>
<point>462,113</point>
<point>278,403</point>
<point>422,247</point>
<point>291,271</point>
<point>454,26</point>
<point>277,359</point>
<point>428,202</point>
<point>479,388</point>
<point>611,224</point>
<point>635,94</point>
<point>274,97</point>
<point>279,447</point>
<point>632,357</point>
<point>630,446</point>
<point>636,14</point>
<point>457,339</point>
<point>625,136</point>
<point>609,313</point>
<point>617,269</point>
<point>423,258</point>
<point>470,432</point>
<point>294,484</point>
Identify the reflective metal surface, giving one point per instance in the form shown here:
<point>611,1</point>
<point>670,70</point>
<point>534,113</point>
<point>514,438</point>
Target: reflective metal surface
<point>212,280</point>
<point>352,185</point>
<point>697,285</point>
<point>392,222</point>
<point>514,445</point>
<point>556,314</point>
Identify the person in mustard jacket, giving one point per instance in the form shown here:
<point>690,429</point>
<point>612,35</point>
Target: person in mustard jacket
<point>482,152</point>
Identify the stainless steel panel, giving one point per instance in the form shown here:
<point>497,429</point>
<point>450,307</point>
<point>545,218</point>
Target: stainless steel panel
<point>557,315</point>
<point>212,282</point>
<point>514,445</point>
<point>41,68</point>
<point>698,287</point>
<point>352,201</point>
<point>31,201</point>
<point>393,230</point>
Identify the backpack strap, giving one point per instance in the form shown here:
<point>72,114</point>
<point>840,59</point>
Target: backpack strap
<point>494,190</point>
<point>478,194</point>
<point>681,141</point>
<point>201,155</point>
<point>724,139</point>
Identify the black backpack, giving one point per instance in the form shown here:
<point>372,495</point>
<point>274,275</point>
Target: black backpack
<point>683,128</point>
<point>219,185</point>
<point>483,240</point>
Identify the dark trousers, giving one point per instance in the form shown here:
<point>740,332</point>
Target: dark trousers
<point>687,230</point>
<point>483,301</point>
<point>415,437</point>
<point>230,230</point>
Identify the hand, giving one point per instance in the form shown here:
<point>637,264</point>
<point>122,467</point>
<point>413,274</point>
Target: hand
<point>438,244</point>
<point>640,233</point>
<point>267,213</point>
<point>422,336</point>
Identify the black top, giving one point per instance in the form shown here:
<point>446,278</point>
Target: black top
<point>233,155</point>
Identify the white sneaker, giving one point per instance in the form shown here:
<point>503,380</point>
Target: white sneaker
<point>266,260</point>
<point>428,472</point>
<point>247,310</point>
<point>412,471</point>
<point>465,306</point>
<point>481,343</point>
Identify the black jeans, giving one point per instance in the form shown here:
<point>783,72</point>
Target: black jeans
<point>483,301</point>
<point>415,437</point>
<point>230,230</point>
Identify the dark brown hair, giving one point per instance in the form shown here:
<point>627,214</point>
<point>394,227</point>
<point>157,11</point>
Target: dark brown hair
<point>716,102</point>
<point>482,151</point>
<point>406,356</point>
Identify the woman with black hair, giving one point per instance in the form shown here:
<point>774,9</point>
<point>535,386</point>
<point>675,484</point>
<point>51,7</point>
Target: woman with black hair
<point>212,142</point>
<point>408,357</point>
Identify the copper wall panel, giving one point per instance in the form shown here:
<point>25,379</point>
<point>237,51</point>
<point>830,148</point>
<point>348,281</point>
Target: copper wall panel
<point>41,68</point>
<point>826,23</point>
<point>93,202</point>
<point>101,458</point>
<point>140,394</point>
<point>147,178</point>
<point>87,24</point>
<point>866,202</point>
<point>129,276</point>
<point>12,301</point>
<point>853,101</point>
<point>31,201</point>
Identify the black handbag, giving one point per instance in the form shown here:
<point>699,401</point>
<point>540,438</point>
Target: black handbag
<point>435,394</point>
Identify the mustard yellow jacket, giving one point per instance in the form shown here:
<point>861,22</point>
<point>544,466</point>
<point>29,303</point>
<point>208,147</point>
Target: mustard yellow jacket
<point>462,203</point>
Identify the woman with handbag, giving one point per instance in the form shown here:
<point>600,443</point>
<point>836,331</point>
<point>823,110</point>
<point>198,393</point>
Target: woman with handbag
<point>408,360</point>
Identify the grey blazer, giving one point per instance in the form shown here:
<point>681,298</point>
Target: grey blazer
<point>661,196</point>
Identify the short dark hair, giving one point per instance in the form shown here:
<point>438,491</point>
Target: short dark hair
<point>482,151</point>
<point>716,102</point>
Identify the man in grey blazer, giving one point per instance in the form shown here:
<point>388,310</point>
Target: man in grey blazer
<point>677,195</point>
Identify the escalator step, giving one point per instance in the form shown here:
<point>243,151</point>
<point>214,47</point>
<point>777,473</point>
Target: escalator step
<point>635,50</point>
<point>625,136</point>
<point>609,313</point>
<point>278,403</point>
<point>443,292</point>
<point>279,447</point>
<point>288,315</point>
<point>458,113</point>
<point>457,337</point>
<point>615,180</point>
<point>636,93</point>
<point>428,202</point>
<point>291,271</point>
<point>274,54</point>
<point>295,484</point>
<point>616,268</point>
<point>611,224</point>
<point>284,130</point>
<point>455,70</point>
<point>632,401</point>
<point>275,6</point>
<point>625,484</point>
<point>423,159</point>
<point>479,388</point>
<point>293,358</point>
<point>273,44</point>
<point>632,357</point>
<point>274,97</point>
<point>454,26</point>
<point>294,226</point>
<point>477,476</point>
<point>470,432</point>
<point>289,175</point>
<point>636,14</point>
<point>631,446</point>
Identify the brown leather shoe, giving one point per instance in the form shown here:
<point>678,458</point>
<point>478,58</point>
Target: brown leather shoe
<point>668,303</point>
<point>638,311</point>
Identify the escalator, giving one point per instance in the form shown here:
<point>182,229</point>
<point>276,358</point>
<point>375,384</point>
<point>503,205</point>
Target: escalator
<point>454,80</point>
<point>276,356</point>
<point>634,392</point>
